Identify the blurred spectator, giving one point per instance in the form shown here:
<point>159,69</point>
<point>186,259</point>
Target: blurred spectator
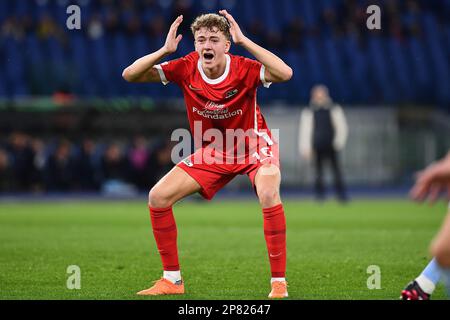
<point>293,33</point>
<point>160,161</point>
<point>12,28</point>
<point>114,164</point>
<point>6,172</point>
<point>112,24</point>
<point>139,162</point>
<point>133,25</point>
<point>185,8</point>
<point>95,28</point>
<point>156,27</point>
<point>323,133</point>
<point>116,173</point>
<point>22,161</point>
<point>60,169</point>
<point>86,175</point>
<point>47,28</point>
<point>39,163</point>
<point>34,164</point>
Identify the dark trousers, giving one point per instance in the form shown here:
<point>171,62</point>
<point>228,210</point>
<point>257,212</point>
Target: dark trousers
<point>321,157</point>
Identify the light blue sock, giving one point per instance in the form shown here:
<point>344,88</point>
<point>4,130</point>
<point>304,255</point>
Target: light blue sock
<point>429,277</point>
<point>433,271</point>
<point>446,280</point>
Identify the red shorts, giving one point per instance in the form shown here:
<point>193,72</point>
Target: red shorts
<point>214,175</point>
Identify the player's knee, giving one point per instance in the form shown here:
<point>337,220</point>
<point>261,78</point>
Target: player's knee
<point>441,252</point>
<point>157,199</point>
<point>269,197</point>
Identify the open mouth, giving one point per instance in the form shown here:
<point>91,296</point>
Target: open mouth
<point>208,56</point>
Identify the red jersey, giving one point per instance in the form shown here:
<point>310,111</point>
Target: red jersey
<point>228,102</point>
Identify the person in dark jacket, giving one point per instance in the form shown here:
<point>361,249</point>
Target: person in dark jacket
<point>323,134</point>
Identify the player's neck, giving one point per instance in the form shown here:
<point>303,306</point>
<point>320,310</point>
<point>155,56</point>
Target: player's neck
<point>217,71</point>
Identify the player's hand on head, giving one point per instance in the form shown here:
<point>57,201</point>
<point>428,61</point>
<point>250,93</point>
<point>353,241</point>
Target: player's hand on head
<point>172,39</point>
<point>235,30</point>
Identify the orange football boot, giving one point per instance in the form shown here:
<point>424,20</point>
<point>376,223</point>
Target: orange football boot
<point>163,286</point>
<point>279,290</point>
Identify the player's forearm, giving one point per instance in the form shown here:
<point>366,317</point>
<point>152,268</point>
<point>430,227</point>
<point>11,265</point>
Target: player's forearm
<point>278,70</point>
<point>142,66</point>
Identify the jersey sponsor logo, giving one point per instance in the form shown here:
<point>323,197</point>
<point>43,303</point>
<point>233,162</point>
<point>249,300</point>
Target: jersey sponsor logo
<point>220,114</point>
<point>214,106</point>
<point>194,88</point>
<point>231,93</point>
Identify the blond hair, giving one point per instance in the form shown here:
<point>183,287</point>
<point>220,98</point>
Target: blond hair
<point>211,21</point>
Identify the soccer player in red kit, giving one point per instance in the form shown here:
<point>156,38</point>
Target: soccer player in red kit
<point>220,94</point>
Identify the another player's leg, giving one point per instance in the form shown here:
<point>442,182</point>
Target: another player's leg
<point>439,268</point>
<point>174,186</point>
<point>267,183</point>
<point>424,285</point>
<point>440,248</point>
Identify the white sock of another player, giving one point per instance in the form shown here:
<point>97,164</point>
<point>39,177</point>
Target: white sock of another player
<point>277,279</point>
<point>172,276</point>
<point>426,284</point>
<point>430,277</point>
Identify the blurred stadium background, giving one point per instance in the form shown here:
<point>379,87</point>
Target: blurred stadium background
<point>69,124</point>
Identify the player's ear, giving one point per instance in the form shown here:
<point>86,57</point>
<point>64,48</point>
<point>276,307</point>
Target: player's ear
<point>227,46</point>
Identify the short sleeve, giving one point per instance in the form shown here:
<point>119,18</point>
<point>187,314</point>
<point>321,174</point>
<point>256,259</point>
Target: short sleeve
<point>256,73</point>
<point>174,70</point>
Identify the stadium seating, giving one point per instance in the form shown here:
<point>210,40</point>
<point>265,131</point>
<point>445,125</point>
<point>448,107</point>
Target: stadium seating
<point>359,66</point>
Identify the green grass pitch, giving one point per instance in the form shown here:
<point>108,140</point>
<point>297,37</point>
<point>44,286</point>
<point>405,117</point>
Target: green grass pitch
<point>221,247</point>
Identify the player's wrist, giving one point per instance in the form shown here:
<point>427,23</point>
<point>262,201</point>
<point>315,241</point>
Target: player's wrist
<point>165,51</point>
<point>243,41</point>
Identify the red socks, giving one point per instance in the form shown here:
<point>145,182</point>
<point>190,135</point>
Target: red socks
<point>275,235</point>
<point>165,232</point>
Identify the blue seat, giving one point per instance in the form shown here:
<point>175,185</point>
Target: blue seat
<point>21,7</point>
<point>337,77</point>
<point>401,71</point>
<point>385,88</point>
<point>140,47</point>
<point>79,61</point>
<point>14,65</point>
<point>439,62</point>
<point>297,87</point>
<point>269,14</point>
<point>447,37</point>
<point>308,12</point>
<point>4,10</point>
<point>420,69</point>
<point>357,66</point>
<point>314,60</point>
